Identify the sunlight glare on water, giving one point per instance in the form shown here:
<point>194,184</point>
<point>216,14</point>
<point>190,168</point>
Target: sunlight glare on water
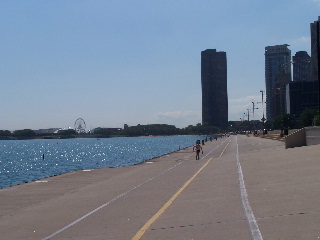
<point>28,160</point>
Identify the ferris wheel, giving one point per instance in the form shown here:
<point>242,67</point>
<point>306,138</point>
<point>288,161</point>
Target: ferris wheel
<point>80,126</point>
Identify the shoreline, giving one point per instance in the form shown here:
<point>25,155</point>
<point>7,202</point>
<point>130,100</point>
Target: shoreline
<point>83,169</point>
<point>93,136</point>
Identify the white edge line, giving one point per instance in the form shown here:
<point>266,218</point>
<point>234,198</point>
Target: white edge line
<point>254,228</point>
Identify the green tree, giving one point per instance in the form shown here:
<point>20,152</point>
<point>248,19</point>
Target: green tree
<point>103,132</point>
<point>24,133</point>
<point>5,133</point>
<point>316,120</point>
<point>307,116</point>
<point>151,129</point>
<point>268,125</point>
<point>68,132</point>
<point>286,121</point>
<point>200,130</point>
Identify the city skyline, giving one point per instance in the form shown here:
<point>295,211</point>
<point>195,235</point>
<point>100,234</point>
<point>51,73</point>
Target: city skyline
<point>113,63</point>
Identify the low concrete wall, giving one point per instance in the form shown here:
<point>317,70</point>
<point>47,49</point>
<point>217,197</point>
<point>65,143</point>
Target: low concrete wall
<point>296,139</point>
<point>312,135</point>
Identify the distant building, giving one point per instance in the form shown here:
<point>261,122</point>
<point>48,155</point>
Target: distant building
<point>214,88</point>
<point>314,30</point>
<point>110,129</point>
<point>302,95</point>
<point>279,104</point>
<point>301,66</point>
<point>277,75</point>
<point>49,130</point>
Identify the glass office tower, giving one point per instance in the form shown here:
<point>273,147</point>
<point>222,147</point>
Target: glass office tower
<point>214,88</point>
<point>277,75</point>
<point>315,32</point>
<point>301,66</point>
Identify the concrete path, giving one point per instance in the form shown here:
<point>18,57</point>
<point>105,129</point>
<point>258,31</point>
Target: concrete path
<point>241,188</point>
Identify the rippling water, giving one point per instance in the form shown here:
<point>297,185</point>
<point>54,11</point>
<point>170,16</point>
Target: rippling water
<point>28,160</point>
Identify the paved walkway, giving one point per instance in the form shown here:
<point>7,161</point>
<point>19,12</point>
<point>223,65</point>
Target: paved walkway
<point>241,188</point>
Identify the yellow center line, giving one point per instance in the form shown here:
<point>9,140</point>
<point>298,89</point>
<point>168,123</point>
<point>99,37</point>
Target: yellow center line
<point>224,149</point>
<point>142,231</point>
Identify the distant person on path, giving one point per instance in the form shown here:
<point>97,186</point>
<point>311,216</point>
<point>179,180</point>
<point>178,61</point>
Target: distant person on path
<point>198,149</point>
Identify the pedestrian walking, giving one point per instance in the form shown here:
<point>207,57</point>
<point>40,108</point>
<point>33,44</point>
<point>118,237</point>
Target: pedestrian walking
<point>198,148</point>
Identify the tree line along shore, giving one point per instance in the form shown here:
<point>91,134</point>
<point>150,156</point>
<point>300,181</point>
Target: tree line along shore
<point>134,131</point>
<point>309,117</point>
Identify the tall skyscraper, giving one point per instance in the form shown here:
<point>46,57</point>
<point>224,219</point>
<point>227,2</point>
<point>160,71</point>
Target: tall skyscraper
<point>301,66</point>
<point>277,75</point>
<point>314,30</point>
<point>214,88</point>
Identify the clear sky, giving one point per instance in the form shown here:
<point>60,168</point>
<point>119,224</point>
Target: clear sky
<point>113,62</point>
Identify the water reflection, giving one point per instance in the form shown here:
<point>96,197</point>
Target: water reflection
<point>28,160</point>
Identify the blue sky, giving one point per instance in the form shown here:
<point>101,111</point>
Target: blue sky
<point>113,62</point>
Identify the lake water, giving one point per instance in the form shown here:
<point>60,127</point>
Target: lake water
<point>28,160</point>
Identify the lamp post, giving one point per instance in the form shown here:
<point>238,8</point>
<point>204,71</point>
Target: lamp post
<point>281,111</point>
<point>262,119</point>
<point>253,108</point>
<point>318,66</point>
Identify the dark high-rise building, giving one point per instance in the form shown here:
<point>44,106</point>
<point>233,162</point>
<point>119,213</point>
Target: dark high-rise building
<point>301,66</point>
<point>314,30</point>
<point>214,88</point>
<point>302,95</point>
<point>277,75</point>
<point>315,49</point>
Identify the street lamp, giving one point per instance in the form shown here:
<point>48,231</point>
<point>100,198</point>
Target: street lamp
<point>281,112</point>
<point>318,67</point>
<point>253,108</point>
<point>262,119</point>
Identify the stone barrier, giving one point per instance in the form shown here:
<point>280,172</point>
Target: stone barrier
<point>296,139</point>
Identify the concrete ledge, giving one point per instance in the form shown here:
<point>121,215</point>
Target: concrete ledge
<point>296,139</point>
<point>303,137</point>
<point>312,135</point>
